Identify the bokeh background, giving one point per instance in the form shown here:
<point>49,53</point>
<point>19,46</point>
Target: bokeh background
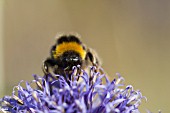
<point>131,37</point>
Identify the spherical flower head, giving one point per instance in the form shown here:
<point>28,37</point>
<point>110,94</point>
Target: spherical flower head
<point>86,92</point>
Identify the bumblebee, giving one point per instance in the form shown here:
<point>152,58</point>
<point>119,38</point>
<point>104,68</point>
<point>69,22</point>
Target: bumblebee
<point>69,51</point>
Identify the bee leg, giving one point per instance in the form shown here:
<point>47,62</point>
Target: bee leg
<point>49,66</point>
<point>79,72</point>
<point>92,56</point>
<point>45,67</point>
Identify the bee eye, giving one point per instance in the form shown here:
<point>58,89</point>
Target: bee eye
<point>71,59</point>
<point>75,59</point>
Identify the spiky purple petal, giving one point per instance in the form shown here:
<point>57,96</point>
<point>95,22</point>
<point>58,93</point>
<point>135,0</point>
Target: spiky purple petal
<point>90,95</point>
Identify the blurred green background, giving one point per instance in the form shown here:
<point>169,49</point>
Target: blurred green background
<point>131,37</point>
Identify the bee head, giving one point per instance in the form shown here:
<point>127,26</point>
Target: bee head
<point>68,52</point>
<point>69,59</point>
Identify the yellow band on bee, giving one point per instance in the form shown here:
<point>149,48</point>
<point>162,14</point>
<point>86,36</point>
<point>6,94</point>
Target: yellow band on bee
<point>69,46</point>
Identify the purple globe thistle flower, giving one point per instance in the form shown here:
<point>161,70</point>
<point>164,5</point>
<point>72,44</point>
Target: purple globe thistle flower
<point>86,92</point>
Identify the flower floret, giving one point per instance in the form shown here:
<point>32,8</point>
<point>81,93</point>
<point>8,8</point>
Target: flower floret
<point>85,92</point>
